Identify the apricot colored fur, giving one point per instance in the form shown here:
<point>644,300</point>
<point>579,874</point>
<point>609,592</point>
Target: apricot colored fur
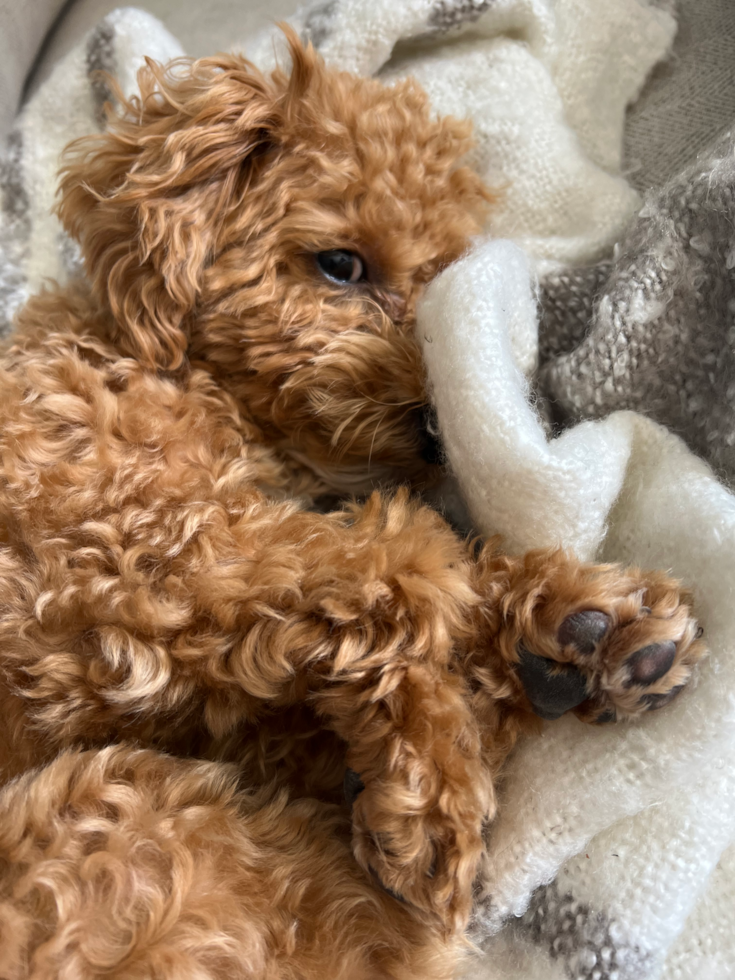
<point>164,585</point>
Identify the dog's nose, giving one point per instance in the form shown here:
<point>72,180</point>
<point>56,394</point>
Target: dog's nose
<point>431,449</point>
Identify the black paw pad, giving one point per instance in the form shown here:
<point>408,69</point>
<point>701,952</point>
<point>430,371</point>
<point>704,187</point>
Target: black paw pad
<point>656,701</point>
<point>552,688</point>
<point>584,630</point>
<point>649,664</point>
<point>352,786</point>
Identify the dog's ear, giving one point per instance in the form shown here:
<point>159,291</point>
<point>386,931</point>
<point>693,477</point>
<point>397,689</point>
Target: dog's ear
<point>148,198</point>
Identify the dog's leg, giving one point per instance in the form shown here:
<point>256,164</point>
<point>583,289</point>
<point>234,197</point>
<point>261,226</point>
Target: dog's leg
<point>366,623</point>
<point>125,863</point>
<point>417,788</point>
<point>602,641</point>
<point>382,620</point>
<point>358,614</point>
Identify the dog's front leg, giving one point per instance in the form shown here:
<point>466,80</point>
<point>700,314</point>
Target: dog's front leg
<point>603,641</point>
<point>365,620</point>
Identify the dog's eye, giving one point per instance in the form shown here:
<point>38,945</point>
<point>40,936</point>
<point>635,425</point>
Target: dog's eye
<point>340,265</point>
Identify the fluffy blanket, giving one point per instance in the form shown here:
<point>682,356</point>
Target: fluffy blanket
<point>613,857</point>
<point>654,330</point>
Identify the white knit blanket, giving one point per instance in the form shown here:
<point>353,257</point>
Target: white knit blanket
<point>613,836</point>
<point>613,855</point>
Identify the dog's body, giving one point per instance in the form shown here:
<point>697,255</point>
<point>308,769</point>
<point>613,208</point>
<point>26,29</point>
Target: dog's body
<point>255,251</point>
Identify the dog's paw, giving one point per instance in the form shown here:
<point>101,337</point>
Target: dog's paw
<point>425,856</point>
<point>624,654</point>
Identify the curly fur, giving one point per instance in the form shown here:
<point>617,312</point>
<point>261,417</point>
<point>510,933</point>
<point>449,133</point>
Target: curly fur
<point>164,431</point>
<point>135,862</point>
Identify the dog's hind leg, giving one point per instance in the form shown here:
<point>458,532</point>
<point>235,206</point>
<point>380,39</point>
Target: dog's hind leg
<point>127,864</point>
<point>365,620</point>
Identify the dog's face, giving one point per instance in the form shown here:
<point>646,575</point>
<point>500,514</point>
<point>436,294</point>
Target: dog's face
<point>284,229</point>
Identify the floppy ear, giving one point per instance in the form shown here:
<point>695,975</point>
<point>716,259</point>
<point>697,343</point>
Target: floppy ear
<point>147,198</point>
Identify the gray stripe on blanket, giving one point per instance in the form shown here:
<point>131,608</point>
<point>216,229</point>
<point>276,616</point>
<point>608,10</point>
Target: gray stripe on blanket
<point>15,230</point>
<point>101,59</point>
<point>448,14</point>
<point>567,301</point>
<point>660,332</point>
<point>319,23</point>
<point>14,197</point>
<point>583,939</point>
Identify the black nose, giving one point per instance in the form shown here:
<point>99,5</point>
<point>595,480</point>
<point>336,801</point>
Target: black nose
<point>431,448</point>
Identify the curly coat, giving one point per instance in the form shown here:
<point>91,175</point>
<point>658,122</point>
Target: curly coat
<point>165,583</point>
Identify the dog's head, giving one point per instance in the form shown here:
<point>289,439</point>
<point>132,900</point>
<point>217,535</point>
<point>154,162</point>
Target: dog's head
<point>279,230</point>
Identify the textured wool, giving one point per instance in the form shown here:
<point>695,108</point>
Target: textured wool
<point>688,100</point>
<point>545,83</point>
<point>605,841</point>
<point>657,328</point>
<point>20,40</point>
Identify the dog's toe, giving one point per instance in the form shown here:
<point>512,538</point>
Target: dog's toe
<point>650,663</point>
<point>655,701</point>
<point>552,688</point>
<point>584,630</point>
<point>606,717</point>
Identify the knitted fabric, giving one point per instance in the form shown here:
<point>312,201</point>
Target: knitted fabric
<point>688,99</point>
<point>545,82</point>
<point>21,34</point>
<point>606,839</point>
<point>660,324</point>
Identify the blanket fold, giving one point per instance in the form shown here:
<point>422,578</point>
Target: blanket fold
<point>659,795</point>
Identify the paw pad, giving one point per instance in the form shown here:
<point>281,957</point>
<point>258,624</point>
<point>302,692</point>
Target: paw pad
<point>552,688</point>
<point>555,687</point>
<point>597,650</point>
<point>584,630</point>
<point>650,663</point>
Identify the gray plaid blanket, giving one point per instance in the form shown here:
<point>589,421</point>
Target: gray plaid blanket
<point>653,328</point>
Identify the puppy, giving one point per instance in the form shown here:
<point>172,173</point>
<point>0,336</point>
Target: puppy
<point>192,654</point>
